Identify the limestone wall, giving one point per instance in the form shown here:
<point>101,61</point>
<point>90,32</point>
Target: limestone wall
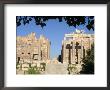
<point>29,47</point>
<point>74,53</point>
<point>31,51</point>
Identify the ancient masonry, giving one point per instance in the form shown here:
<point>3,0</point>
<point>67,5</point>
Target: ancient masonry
<point>32,50</point>
<point>75,45</point>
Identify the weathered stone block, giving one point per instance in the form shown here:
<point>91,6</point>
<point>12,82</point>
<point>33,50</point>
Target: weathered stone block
<point>25,65</point>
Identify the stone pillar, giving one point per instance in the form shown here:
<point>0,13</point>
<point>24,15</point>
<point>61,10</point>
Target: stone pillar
<point>70,54</point>
<point>82,50</point>
<point>80,55</point>
<point>48,52</point>
<point>64,49</point>
<point>39,52</point>
<point>74,61</point>
<point>73,52</point>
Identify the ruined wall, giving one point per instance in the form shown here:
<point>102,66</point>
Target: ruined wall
<point>30,48</point>
<point>74,47</point>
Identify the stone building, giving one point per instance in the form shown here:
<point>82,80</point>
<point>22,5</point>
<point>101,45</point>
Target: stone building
<point>31,49</point>
<point>75,45</point>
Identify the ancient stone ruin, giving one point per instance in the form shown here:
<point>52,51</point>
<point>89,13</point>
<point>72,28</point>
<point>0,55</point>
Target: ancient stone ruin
<point>33,54</point>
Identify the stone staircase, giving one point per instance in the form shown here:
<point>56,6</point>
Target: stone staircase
<point>56,68</point>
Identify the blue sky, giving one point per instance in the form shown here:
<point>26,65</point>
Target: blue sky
<point>54,31</point>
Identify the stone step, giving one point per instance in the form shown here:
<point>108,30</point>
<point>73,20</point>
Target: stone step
<point>56,69</point>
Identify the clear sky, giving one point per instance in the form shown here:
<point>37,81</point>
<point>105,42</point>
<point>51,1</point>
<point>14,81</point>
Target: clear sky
<point>54,31</point>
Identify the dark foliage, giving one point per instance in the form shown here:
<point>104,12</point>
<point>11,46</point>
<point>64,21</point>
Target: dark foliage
<point>70,20</point>
<point>88,66</point>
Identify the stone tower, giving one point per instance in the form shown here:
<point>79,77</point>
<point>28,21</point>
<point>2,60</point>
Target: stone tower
<point>30,48</point>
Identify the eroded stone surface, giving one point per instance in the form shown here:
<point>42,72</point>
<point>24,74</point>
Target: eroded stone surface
<point>32,51</point>
<point>56,69</point>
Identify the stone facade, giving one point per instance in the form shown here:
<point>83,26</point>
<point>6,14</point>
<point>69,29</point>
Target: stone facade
<point>31,48</point>
<point>75,45</point>
<point>32,51</point>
